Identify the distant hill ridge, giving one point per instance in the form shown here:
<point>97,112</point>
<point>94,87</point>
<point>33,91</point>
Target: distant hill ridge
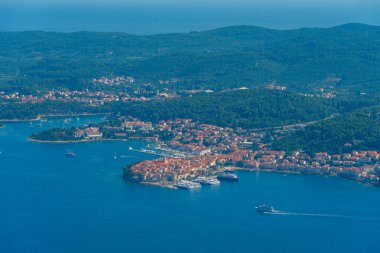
<point>301,59</point>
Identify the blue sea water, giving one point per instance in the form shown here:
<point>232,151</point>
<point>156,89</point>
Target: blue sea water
<point>50,203</point>
<point>177,16</point>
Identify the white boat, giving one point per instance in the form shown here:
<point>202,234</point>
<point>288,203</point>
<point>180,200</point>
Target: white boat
<point>207,180</point>
<point>266,209</point>
<point>188,185</point>
<point>70,153</point>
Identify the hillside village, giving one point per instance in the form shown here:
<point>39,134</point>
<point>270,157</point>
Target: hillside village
<point>190,149</point>
<point>194,149</point>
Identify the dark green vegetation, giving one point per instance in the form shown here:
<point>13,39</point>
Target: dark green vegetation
<point>346,57</point>
<point>267,108</point>
<point>31,111</point>
<point>354,123</point>
<point>56,134</point>
<point>246,108</point>
<point>360,129</point>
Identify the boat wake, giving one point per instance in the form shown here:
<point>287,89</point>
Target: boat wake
<point>322,215</point>
<point>126,156</point>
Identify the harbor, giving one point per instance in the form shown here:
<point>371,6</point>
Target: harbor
<point>105,204</point>
<point>163,152</point>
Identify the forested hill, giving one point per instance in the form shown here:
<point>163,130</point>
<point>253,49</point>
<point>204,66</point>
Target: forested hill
<point>359,129</point>
<point>245,108</point>
<point>345,56</point>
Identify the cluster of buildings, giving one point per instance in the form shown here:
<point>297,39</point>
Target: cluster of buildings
<point>185,135</point>
<point>359,166</point>
<point>169,81</point>
<point>275,87</point>
<point>118,80</point>
<point>168,169</point>
<point>323,92</point>
<point>133,125</point>
<point>211,148</point>
<point>102,90</point>
<point>95,97</point>
<point>202,139</point>
<point>86,96</point>
<point>173,169</point>
<point>89,133</point>
<point>356,165</point>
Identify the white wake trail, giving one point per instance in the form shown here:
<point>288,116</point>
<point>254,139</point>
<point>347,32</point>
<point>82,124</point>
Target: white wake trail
<point>317,215</point>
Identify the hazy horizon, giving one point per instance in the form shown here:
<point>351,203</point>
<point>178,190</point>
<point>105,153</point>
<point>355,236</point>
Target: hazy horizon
<point>166,16</point>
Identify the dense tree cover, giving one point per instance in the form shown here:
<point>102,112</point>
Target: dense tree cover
<point>352,102</point>
<point>56,134</point>
<point>360,129</point>
<point>31,111</point>
<point>245,108</point>
<point>346,56</point>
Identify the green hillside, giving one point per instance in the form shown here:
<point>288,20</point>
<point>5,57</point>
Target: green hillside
<point>346,57</point>
<point>245,108</point>
<point>360,129</point>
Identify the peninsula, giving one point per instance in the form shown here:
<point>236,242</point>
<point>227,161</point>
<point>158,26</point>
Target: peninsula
<point>191,149</point>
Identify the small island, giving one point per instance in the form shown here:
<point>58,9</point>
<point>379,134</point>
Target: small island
<point>63,135</point>
<point>115,128</point>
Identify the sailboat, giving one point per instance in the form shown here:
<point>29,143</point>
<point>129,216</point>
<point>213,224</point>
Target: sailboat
<point>70,153</point>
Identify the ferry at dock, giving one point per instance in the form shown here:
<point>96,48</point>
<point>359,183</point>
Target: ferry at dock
<point>207,180</point>
<point>187,185</point>
<point>228,177</point>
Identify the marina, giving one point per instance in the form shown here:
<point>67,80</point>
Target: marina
<point>187,185</point>
<point>207,180</point>
<point>161,152</point>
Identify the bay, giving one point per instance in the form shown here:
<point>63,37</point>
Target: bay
<point>51,203</point>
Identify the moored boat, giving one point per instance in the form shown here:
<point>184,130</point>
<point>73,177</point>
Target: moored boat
<point>70,153</point>
<point>207,180</point>
<point>228,177</point>
<point>187,185</point>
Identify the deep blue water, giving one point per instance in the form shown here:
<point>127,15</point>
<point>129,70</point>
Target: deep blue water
<point>176,16</point>
<point>50,203</point>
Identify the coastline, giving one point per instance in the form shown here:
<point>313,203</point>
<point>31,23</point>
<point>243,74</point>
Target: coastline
<point>74,115</point>
<point>74,141</point>
<point>54,115</point>
<point>77,141</point>
<point>160,184</point>
<point>165,184</point>
<point>57,142</point>
<point>20,120</point>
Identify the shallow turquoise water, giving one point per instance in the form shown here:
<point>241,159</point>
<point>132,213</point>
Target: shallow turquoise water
<point>50,203</point>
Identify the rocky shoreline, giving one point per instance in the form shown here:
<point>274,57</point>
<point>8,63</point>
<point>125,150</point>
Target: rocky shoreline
<point>53,115</point>
<point>58,142</point>
<point>76,141</point>
<point>171,184</point>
